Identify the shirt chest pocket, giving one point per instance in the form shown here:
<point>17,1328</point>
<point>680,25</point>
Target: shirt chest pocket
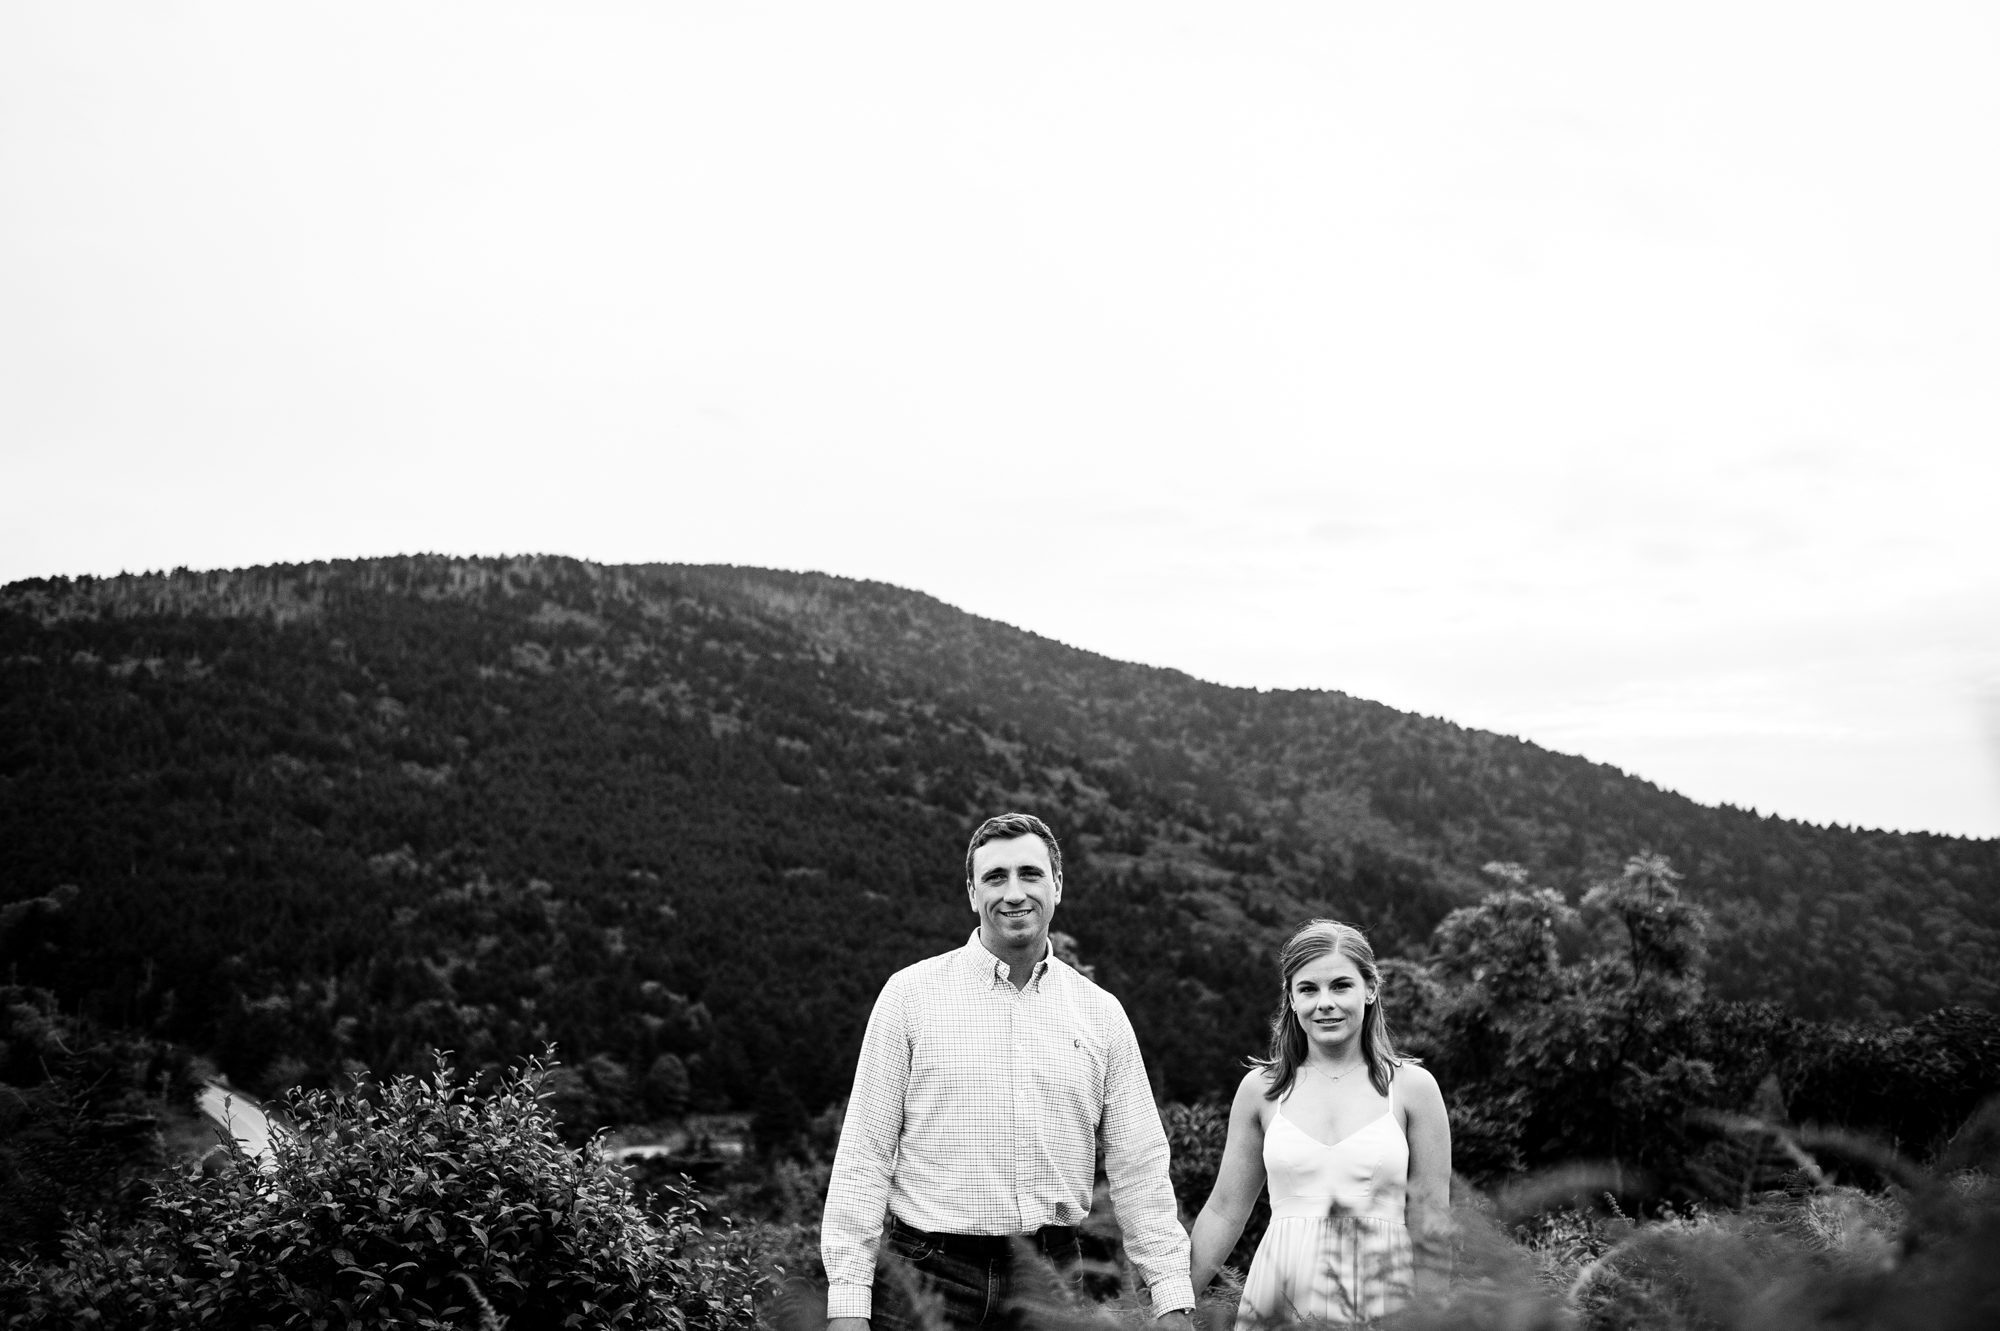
<point>1068,1069</point>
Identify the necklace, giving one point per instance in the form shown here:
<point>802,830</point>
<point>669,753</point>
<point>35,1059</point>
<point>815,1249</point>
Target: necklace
<point>1323,1076</point>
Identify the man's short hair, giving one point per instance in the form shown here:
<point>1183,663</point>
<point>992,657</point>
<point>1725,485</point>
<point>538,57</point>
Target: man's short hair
<point>1005,827</point>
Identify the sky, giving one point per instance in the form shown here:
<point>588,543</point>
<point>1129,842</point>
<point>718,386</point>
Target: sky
<point>1626,378</point>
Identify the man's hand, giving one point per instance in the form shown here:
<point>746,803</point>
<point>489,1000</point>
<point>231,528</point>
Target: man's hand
<point>847,1324</point>
<point>1177,1320</point>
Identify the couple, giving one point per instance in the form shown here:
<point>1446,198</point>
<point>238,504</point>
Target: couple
<point>989,1074</point>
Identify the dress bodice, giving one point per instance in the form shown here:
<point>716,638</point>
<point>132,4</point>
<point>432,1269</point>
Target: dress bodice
<point>1362,1174</point>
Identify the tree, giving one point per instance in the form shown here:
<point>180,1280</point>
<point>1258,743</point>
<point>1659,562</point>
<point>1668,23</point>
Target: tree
<point>780,1119</point>
<point>78,1118</point>
<point>667,1086</point>
<point>1545,1060</point>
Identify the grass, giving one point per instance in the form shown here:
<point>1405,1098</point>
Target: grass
<point>1919,1252</point>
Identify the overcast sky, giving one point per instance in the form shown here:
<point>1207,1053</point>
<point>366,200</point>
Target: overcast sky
<point>1626,379</point>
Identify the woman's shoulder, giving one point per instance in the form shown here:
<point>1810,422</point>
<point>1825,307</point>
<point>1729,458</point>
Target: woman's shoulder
<point>1256,1083</point>
<point>1412,1080</point>
<point>1260,1078</point>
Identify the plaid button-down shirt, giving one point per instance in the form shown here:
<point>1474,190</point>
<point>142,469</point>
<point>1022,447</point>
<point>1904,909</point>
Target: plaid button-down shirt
<point>976,1110</point>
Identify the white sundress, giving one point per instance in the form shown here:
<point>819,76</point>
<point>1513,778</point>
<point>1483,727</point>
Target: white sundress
<point>1338,1249</point>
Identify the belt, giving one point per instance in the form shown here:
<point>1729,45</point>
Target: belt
<point>984,1247</point>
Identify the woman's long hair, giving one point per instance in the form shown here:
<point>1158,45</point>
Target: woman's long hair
<point>1314,940</point>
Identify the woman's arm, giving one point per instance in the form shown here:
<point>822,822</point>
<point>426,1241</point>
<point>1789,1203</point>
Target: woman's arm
<point>1238,1180</point>
<point>1428,1213</point>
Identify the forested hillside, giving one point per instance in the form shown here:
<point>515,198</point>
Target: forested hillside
<point>683,821</point>
<point>1287,784</point>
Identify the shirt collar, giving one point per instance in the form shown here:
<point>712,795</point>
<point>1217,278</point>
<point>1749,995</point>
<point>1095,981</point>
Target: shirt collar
<point>981,959</point>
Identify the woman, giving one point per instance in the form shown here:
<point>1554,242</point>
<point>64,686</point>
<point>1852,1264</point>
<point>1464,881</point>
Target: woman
<point>1353,1138</point>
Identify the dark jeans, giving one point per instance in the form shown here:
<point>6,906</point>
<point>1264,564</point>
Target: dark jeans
<point>924,1281</point>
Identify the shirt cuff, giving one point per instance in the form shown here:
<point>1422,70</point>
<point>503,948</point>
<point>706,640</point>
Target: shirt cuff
<point>1170,1296</point>
<point>850,1301</point>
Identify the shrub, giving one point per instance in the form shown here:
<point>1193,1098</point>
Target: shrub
<point>1914,1084</point>
<point>411,1204</point>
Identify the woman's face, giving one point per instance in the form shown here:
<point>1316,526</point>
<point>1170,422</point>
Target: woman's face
<point>1329,998</point>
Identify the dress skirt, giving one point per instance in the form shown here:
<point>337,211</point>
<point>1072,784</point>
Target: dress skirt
<point>1326,1268</point>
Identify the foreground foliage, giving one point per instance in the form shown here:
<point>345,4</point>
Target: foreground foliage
<point>1923,1252</point>
<point>1549,1254</point>
<point>411,1204</point>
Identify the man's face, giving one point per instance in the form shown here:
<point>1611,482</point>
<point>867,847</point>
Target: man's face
<point>1014,892</point>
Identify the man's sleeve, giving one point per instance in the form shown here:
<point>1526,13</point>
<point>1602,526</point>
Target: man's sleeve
<point>857,1196</point>
<point>1135,1160</point>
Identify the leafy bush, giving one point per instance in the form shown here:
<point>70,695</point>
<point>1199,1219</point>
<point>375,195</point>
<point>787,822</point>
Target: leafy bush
<point>1913,1085</point>
<point>1196,1135</point>
<point>411,1204</point>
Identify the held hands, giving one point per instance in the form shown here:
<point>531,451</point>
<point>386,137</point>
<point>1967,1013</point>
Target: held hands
<point>1177,1320</point>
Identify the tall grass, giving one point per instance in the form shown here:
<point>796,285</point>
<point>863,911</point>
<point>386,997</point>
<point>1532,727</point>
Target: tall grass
<point>1917,1250</point>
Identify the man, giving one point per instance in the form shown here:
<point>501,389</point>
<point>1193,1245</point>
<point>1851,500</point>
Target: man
<point>985,1077</point>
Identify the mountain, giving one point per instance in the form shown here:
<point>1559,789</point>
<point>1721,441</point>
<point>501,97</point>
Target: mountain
<point>684,820</point>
